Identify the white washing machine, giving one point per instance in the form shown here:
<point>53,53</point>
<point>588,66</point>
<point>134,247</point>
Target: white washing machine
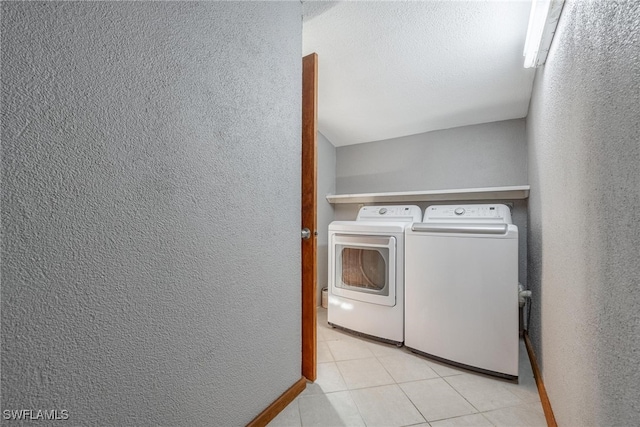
<point>461,288</point>
<point>366,271</point>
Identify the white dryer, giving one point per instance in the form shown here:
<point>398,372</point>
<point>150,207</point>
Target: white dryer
<point>366,271</point>
<point>462,288</point>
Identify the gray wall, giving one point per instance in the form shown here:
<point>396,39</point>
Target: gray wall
<point>485,155</point>
<point>584,171</point>
<point>326,185</point>
<point>143,143</point>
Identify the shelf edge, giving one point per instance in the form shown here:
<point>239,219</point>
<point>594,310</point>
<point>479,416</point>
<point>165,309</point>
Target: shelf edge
<point>490,193</point>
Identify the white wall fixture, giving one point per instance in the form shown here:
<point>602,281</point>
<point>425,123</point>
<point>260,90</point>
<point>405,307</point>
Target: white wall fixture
<point>542,26</point>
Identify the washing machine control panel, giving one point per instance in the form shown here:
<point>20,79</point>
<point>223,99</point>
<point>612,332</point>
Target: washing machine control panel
<point>468,213</point>
<point>408,213</point>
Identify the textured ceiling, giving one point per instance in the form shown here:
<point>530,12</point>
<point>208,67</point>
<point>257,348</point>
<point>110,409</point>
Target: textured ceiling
<point>395,68</point>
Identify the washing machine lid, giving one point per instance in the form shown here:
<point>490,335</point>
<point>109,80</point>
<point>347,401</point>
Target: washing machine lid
<point>466,228</point>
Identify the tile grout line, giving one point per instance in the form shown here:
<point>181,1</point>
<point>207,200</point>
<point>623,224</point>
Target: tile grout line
<point>414,405</point>
<point>407,396</point>
<point>379,356</point>
<point>357,408</point>
<point>428,379</point>
<point>299,411</point>
<point>348,389</point>
<point>340,373</point>
<point>396,383</point>
<point>521,401</point>
<point>403,392</point>
<point>461,395</point>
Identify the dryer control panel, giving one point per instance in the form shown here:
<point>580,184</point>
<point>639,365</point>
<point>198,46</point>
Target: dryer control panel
<point>404,213</point>
<point>468,213</point>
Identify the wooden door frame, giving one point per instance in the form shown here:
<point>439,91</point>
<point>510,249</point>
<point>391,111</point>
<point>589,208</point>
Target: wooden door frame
<point>309,214</point>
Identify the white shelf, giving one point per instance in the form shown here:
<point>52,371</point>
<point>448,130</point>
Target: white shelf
<point>489,193</point>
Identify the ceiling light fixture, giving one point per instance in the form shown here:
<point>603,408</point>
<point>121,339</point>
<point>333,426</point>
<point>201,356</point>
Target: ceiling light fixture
<point>543,21</point>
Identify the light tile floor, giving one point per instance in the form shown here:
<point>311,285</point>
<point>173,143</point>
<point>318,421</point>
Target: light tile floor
<point>363,382</point>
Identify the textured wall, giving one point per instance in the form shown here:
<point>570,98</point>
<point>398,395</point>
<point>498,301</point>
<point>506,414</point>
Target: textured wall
<point>326,185</point>
<point>584,171</point>
<point>150,209</point>
<point>486,155</point>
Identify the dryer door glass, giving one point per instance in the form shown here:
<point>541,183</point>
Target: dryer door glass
<point>364,264</point>
<point>364,268</point>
